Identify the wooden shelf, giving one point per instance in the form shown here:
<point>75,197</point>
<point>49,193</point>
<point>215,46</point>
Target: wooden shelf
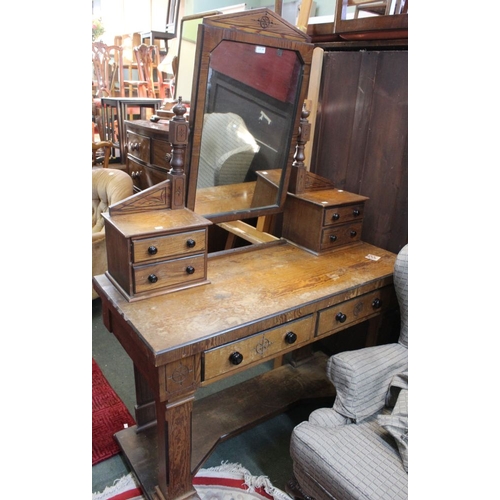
<point>225,414</point>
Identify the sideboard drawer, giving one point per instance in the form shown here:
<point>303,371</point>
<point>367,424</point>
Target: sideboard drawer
<point>256,348</point>
<point>355,310</point>
<point>138,146</point>
<point>159,150</point>
<point>170,245</point>
<point>341,214</point>
<point>341,235</point>
<point>138,173</point>
<point>169,273</point>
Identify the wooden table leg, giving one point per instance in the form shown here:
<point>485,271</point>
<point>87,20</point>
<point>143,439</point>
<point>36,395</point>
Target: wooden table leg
<point>145,409</point>
<point>174,448</point>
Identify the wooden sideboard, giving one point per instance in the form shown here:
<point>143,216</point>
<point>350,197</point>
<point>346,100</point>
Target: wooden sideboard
<point>262,302</point>
<point>148,152</point>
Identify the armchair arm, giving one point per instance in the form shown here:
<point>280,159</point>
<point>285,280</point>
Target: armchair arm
<point>362,378</point>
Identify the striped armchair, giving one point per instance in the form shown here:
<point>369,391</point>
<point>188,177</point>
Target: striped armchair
<point>358,450</point>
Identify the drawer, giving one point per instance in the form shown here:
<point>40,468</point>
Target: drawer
<point>158,151</point>
<point>341,214</point>
<point>340,235</point>
<point>167,246</point>
<point>256,348</point>
<point>169,273</point>
<point>355,310</point>
<point>138,146</point>
<point>137,172</point>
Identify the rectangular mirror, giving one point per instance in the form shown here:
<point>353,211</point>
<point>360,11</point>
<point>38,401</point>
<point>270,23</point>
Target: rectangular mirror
<point>252,71</point>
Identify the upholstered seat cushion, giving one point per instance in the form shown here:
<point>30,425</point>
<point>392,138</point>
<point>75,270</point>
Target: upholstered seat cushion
<point>348,462</point>
<point>109,186</point>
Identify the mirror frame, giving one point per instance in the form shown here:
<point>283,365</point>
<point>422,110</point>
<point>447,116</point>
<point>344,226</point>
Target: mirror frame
<point>259,27</point>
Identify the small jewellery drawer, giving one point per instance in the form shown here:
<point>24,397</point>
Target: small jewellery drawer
<point>341,235</point>
<point>167,246</point>
<point>168,273</point>
<point>341,214</point>
<point>355,310</point>
<point>267,344</point>
<point>138,146</point>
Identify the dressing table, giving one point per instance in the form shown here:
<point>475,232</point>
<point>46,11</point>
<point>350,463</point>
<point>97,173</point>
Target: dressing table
<point>262,302</point>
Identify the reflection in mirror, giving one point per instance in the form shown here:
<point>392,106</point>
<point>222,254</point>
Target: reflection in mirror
<point>250,106</point>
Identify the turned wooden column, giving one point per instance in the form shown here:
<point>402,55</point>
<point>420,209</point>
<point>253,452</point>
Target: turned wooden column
<point>178,132</point>
<point>298,174</point>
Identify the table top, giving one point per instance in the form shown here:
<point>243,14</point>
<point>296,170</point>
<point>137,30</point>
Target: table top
<point>250,290</point>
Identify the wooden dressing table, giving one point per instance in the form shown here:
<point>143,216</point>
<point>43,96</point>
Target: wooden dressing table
<point>246,306</point>
<point>260,304</point>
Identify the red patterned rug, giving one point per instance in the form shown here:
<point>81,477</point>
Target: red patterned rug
<point>109,415</point>
<point>227,481</point>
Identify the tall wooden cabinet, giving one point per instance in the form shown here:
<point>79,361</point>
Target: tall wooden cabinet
<point>361,134</point>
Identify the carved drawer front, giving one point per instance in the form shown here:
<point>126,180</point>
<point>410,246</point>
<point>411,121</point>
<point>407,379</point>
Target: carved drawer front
<point>341,235</point>
<point>168,246</point>
<point>168,273</point>
<point>355,310</point>
<point>341,214</point>
<point>259,347</point>
<point>138,146</point>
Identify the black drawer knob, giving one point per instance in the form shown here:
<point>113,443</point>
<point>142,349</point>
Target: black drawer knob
<point>290,338</point>
<point>152,278</point>
<point>191,243</point>
<point>341,317</point>
<point>236,358</point>
<point>356,212</point>
<point>152,250</point>
<point>333,238</point>
<point>377,303</point>
<point>353,233</point>
<point>190,269</point>
<point>335,216</point>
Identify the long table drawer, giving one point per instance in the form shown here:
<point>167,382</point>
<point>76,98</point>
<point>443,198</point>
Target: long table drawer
<point>355,310</point>
<point>258,347</point>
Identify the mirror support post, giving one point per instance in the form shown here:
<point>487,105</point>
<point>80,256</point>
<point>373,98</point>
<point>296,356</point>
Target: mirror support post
<point>178,133</point>
<point>297,183</point>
